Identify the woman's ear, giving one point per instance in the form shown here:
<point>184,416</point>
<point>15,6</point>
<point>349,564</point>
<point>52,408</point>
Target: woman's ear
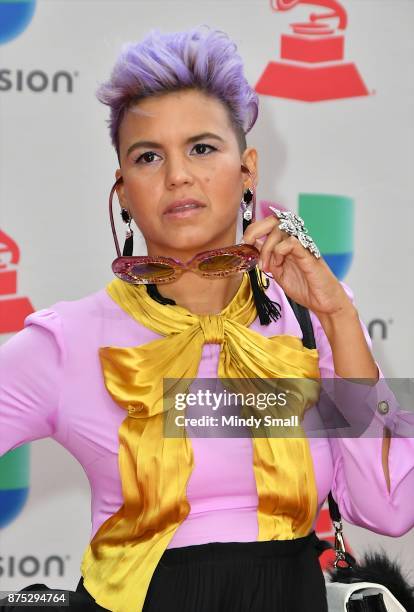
<point>120,189</point>
<point>249,159</point>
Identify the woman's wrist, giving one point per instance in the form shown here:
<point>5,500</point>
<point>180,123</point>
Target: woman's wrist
<point>352,356</point>
<point>333,323</point>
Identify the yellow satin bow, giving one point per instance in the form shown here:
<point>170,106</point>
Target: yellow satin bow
<point>119,562</point>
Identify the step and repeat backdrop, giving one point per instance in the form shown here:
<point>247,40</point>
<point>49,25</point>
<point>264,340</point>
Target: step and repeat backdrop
<point>335,138</point>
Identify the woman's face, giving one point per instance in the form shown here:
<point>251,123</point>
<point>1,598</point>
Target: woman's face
<point>183,147</point>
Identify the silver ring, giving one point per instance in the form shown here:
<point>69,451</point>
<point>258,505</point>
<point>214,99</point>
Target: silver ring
<point>294,225</point>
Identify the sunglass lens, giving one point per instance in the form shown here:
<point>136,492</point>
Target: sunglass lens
<point>217,263</point>
<point>151,271</point>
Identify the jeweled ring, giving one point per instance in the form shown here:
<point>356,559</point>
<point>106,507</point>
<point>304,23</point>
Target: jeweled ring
<point>294,225</point>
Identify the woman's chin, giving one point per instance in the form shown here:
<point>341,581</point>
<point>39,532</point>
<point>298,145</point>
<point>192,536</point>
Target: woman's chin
<point>194,244</point>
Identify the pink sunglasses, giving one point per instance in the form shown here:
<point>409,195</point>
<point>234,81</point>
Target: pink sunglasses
<point>215,263</point>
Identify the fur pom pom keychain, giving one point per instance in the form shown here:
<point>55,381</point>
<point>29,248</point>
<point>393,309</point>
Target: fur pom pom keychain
<point>377,568</point>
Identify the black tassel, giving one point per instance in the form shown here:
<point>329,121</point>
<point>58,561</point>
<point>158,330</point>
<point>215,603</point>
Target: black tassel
<point>266,308</point>
<point>129,245</point>
<point>377,567</point>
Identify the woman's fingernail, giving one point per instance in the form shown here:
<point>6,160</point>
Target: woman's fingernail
<point>274,210</point>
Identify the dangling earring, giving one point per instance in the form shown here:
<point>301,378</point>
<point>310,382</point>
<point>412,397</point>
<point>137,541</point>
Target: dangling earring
<point>247,213</point>
<point>266,308</point>
<point>129,236</point>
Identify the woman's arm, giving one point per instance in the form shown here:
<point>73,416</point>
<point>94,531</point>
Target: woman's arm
<point>374,478</point>
<point>373,460</point>
<point>352,358</point>
<point>30,381</point>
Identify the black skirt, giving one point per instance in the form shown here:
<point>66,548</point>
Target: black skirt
<point>271,576</point>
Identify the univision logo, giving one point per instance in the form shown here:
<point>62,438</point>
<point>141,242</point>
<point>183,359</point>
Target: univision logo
<point>15,16</point>
<point>36,81</point>
<point>329,219</point>
<point>31,565</point>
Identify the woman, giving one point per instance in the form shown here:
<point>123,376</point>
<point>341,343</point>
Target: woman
<point>191,522</point>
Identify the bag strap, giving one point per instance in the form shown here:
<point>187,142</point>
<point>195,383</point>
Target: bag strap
<point>342,557</point>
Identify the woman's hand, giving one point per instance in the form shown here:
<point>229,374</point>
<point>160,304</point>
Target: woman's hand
<point>310,282</point>
<point>305,279</point>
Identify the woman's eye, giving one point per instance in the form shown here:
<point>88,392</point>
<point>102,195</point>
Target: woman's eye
<point>202,145</point>
<point>146,156</point>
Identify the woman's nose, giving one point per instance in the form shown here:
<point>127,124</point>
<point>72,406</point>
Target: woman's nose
<point>178,173</point>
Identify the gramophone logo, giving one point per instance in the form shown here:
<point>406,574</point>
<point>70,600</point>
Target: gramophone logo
<point>312,66</point>
<point>15,16</point>
<point>13,309</point>
<point>14,466</point>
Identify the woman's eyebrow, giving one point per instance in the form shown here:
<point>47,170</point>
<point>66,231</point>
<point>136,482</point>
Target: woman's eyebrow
<point>150,143</point>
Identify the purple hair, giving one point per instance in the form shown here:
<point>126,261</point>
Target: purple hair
<point>199,58</point>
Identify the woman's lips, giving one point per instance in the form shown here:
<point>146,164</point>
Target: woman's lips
<point>184,211</point>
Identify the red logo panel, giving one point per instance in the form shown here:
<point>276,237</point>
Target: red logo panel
<point>13,309</point>
<point>312,66</point>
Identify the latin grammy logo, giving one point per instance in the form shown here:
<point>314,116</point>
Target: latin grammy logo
<point>13,309</point>
<point>312,66</point>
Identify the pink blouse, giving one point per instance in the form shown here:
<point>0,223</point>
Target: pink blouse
<point>51,384</point>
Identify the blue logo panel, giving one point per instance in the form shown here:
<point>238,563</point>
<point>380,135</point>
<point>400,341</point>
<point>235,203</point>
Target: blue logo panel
<point>14,483</point>
<point>14,18</point>
<point>339,263</point>
<point>11,504</point>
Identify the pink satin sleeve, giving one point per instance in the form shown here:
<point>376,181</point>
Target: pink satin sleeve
<point>359,485</point>
<point>30,381</point>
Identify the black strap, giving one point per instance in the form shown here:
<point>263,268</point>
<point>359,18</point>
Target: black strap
<point>308,340</point>
<point>304,320</point>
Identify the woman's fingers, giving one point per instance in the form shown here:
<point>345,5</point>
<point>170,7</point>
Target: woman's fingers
<point>303,257</point>
<point>260,228</point>
<point>273,243</point>
<point>268,248</point>
<point>264,235</point>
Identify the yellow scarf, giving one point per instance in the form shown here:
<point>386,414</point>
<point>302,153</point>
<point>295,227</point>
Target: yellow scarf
<point>119,562</point>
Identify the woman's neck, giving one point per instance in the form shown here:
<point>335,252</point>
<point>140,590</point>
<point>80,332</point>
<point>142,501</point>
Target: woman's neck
<point>202,295</point>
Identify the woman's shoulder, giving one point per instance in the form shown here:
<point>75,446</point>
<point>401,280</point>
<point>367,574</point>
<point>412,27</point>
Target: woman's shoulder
<point>90,321</point>
<point>87,309</point>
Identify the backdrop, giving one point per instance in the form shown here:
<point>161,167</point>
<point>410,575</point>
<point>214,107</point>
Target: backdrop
<point>335,137</point>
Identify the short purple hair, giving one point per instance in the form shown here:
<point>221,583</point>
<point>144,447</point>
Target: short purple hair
<point>199,58</point>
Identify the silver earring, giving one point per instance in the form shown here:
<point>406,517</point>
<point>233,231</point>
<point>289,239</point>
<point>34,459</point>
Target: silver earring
<point>129,236</point>
<point>247,198</point>
<point>126,218</point>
